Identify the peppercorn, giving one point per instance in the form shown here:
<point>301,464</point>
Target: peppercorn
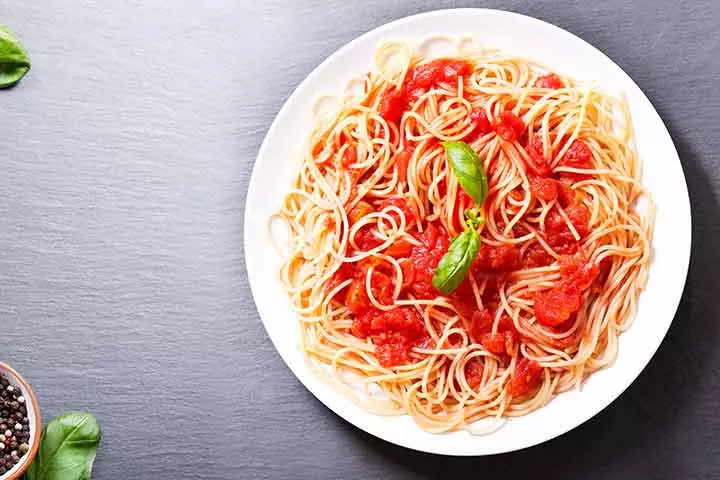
<point>14,425</point>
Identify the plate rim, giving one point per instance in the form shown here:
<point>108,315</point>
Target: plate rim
<point>640,366</point>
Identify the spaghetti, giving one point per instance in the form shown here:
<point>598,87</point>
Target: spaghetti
<point>564,252</point>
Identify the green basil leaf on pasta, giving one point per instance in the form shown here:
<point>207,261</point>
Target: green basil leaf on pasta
<point>469,170</point>
<point>453,267</point>
<point>14,61</point>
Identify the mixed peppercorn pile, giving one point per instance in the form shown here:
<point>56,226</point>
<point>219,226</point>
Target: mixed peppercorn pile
<point>14,425</point>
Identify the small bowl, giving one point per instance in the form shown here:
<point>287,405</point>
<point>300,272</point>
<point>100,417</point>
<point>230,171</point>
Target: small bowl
<point>33,412</point>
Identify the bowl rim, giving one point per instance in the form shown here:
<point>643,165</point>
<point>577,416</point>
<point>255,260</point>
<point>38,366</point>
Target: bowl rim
<point>18,470</point>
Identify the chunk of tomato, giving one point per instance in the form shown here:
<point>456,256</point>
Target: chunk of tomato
<point>474,372</point>
<point>554,307</point>
<point>395,333</point>
<point>502,341</point>
<point>579,216</point>
<point>526,377</point>
<point>496,259</point>
<point>550,81</point>
<point>537,164</point>
<point>425,257</point>
<point>545,189</point>
<point>400,248</point>
<point>356,299</point>
<point>509,126</point>
<point>536,256</point>
<point>578,272</point>
<point>442,70</point>
<point>342,274</point>
<point>481,125</point>
<point>392,105</point>
<point>577,156</point>
<point>566,195</point>
<point>365,239</point>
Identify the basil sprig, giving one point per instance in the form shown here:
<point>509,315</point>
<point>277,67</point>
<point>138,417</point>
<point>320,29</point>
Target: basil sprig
<point>455,264</point>
<point>14,61</point>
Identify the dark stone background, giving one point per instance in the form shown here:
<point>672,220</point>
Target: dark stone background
<point>125,157</point>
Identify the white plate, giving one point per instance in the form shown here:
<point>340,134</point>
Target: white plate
<point>279,161</point>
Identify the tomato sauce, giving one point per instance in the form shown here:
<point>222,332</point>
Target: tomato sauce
<point>427,75</point>
<point>395,333</point>
<point>536,256</point>
<point>550,81</point>
<point>537,164</point>
<point>503,258</point>
<point>578,155</point>
<point>357,299</point>
<point>566,195</point>
<point>526,377</point>
<point>392,105</point>
<point>419,80</point>
<point>366,240</point>
<point>481,125</point>
<point>545,189</point>
<point>474,369</point>
<point>502,341</point>
<point>425,257</point>
<point>557,232</point>
<point>557,305</point>
<point>509,126</point>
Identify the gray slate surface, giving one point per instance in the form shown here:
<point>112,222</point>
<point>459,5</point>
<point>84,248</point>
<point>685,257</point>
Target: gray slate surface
<point>125,157</point>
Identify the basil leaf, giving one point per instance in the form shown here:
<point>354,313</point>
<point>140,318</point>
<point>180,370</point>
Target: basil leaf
<point>67,448</point>
<point>14,61</point>
<point>453,267</point>
<point>468,169</point>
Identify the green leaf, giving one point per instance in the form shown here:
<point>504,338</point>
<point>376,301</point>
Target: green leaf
<point>67,448</point>
<point>453,267</point>
<point>14,61</point>
<point>469,170</point>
